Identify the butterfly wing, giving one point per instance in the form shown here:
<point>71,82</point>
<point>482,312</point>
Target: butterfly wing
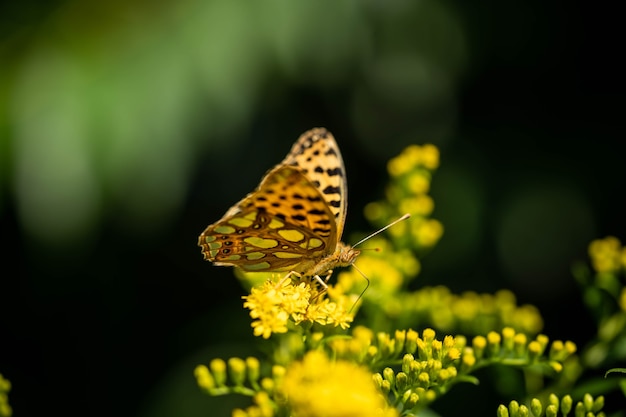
<point>285,224</point>
<point>317,155</point>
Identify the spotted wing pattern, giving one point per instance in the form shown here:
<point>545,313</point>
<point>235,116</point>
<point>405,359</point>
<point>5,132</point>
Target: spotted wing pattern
<point>293,220</point>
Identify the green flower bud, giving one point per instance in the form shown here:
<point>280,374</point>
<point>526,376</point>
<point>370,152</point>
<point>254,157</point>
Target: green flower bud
<point>402,381</point>
<point>534,351</point>
<point>385,387</point>
<point>436,349</point>
<point>579,410</point>
<point>400,338</point>
<point>535,407</point>
<point>479,343</point>
<point>502,411</point>
<point>508,334</point>
<point>378,379</point>
<point>598,404</point>
<point>407,360</point>
<point>268,384</point>
<point>411,401</point>
<point>523,411</point>
<point>411,341</point>
<point>253,366</point>
<point>389,375</point>
<point>237,370</point>
<point>520,341</point>
<point>554,400</point>
<point>424,379</point>
<point>204,378</point>
<point>428,335</point>
<point>218,369</point>
<point>566,405</point>
<point>494,343</point>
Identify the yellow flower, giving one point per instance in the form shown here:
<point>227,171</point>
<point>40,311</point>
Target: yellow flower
<point>274,305</point>
<point>418,183</point>
<point>5,387</point>
<point>430,156</point>
<point>263,407</point>
<point>327,312</point>
<point>420,205</point>
<point>412,157</point>
<point>427,232</point>
<point>318,387</point>
<point>606,254</point>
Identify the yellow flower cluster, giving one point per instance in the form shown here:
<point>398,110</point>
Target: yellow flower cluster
<point>313,386</point>
<point>241,377</point>
<point>416,369</point>
<point>425,372</point>
<point>467,313</point>
<point>510,347</point>
<point>426,156</point>
<point>319,387</point>
<point>607,255</point>
<point>588,407</point>
<point>274,306</point>
<point>5,387</point>
<point>411,173</point>
<point>365,346</point>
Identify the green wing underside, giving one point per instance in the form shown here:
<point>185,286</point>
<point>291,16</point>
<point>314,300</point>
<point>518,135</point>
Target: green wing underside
<point>283,248</point>
<point>284,225</point>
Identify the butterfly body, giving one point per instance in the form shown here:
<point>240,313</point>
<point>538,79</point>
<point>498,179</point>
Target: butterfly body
<point>294,219</point>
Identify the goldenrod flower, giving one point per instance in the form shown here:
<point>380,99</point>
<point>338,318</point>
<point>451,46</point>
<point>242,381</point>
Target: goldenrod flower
<point>327,312</point>
<point>414,156</point>
<point>263,407</point>
<point>272,306</point>
<point>319,387</point>
<point>589,407</point>
<point>5,387</point>
<point>427,233</point>
<point>606,254</point>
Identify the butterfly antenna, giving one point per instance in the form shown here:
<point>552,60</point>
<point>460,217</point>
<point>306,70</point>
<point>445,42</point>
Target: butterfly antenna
<point>406,216</point>
<point>364,289</point>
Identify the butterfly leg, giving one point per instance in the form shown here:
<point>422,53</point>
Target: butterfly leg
<point>288,276</point>
<point>320,281</point>
<point>323,282</point>
<point>317,278</point>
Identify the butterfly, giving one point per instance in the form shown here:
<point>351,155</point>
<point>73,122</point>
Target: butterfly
<point>294,219</point>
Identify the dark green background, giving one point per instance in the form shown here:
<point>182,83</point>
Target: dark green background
<point>126,128</point>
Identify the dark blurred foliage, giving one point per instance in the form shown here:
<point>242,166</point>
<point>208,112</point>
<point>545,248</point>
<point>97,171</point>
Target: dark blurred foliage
<point>127,127</point>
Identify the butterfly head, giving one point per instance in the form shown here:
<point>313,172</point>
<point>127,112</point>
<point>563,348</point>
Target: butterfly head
<point>346,254</point>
